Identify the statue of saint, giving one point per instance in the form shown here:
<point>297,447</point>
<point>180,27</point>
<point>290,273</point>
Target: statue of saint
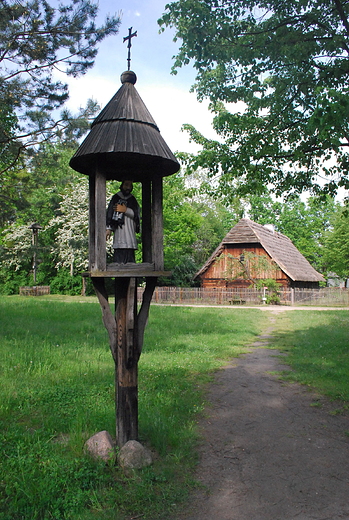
<point>123,219</point>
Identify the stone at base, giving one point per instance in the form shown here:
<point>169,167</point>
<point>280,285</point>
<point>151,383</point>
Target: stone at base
<point>101,446</point>
<point>134,456</point>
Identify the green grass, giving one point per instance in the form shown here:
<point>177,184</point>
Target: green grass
<point>57,389</point>
<point>317,344</point>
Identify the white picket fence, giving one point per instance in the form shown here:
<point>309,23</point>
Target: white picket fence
<point>328,296</point>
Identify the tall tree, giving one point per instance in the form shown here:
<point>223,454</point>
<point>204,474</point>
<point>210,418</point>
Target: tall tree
<point>35,40</point>
<point>277,75</point>
<point>193,227</point>
<point>337,246</point>
<point>305,223</point>
<point>31,191</point>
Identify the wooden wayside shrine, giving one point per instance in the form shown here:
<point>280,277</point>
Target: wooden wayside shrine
<point>124,143</point>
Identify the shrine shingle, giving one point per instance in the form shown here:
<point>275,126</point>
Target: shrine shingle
<point>124,138</point>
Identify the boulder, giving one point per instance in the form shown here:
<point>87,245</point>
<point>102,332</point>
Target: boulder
<point>134,456</point>
<point>101,446</point>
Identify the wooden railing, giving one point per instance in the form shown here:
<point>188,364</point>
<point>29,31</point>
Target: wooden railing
<point>331,296</point>
<point>36,290</point>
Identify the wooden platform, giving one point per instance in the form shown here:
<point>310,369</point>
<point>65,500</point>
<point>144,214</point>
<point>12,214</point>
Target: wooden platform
<point>127,270</point>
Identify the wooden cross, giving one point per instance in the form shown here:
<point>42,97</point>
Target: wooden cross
<point>130,35</point>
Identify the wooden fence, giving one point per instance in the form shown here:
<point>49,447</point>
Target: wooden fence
<point>36,290</point>
<point>331,296</point>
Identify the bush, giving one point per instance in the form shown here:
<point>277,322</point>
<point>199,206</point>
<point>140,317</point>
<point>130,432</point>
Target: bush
<point>64,283</point>
<point>272,297</point>
<point>11,281</point>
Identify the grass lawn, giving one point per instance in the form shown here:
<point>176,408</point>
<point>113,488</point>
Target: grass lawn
<point>317,344</point>
<point>57,389</point>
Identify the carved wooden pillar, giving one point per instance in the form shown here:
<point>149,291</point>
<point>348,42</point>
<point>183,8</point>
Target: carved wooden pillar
<point>146,221</point>
<point>97,242</point>
<point>157,223</point>
<point>127,360</point>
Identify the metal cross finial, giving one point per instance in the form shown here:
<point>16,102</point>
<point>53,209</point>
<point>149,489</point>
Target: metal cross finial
<point>130,35</point>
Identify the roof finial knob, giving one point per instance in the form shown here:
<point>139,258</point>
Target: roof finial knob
<point>128,77</point>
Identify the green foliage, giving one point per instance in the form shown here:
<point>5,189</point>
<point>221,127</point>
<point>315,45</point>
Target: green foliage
<point>62,250</point>
<point>32,192</point>
<point>337,245</point>
<point>65,283</point>
<point>11,281</point>
<point>193,228</point>
<point>249,266</point>
<point>181,220</point>
<point>276,74</point>
<point>305,223</point>
<point>57,389</point>
<point>35,39</point>
<point>273,287</point>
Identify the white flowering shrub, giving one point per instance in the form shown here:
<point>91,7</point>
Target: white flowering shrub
<point>70,226</point>
<point>62,251</point>
<point>17,247</point>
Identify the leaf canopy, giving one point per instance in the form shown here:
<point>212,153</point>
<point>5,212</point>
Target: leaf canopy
<point>276,73</point>
<point>37,40</point>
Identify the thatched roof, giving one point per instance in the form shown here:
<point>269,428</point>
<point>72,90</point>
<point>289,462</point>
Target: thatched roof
<point>124,141</point>
<point>278,246</point>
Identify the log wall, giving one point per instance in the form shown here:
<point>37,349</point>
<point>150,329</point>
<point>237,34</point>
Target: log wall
<point>228,271</point>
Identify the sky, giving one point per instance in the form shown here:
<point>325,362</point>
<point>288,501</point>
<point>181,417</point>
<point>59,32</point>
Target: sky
<point>166,96</point>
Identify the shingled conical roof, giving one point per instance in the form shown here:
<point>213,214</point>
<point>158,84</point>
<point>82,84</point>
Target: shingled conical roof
<point>279,247</point>
<point>124,141</point>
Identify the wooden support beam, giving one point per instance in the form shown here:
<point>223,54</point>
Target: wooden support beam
<point>126,333</point>
<point>97,238</point>
<point>92,222</point>
<point>146,222</point>
<point>143,314</point>
<point>127,367</point>
<point>107,316</point>
<point>101,255</point>
<point>157,224</point>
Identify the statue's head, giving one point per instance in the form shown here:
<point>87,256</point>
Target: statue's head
<point>126,187</point>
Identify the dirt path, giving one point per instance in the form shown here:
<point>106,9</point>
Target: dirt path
<point>271,451</point>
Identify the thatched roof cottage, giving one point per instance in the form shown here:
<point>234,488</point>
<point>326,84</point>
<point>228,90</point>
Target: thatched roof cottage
<point>250,252</point>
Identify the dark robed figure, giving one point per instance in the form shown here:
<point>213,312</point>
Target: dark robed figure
<point>123,218</point>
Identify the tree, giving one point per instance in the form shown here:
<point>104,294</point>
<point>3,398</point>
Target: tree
<point>36,40</point>
<point>336,251</point>
<point>70,249</point>
<point>181,222</point>
<point>276,73</point>
<point>193,227</point>
<point>63,244</point>
<point>305,223</point>
<point>32,192</point>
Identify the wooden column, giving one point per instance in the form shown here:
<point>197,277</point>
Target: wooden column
<point>92,222</point>
<point>146,222</point>
<point>97,240</point>
<point>127,358</point>
<point>157,224</point>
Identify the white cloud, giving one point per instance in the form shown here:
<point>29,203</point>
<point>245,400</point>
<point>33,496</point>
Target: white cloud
<point>169,106</point>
